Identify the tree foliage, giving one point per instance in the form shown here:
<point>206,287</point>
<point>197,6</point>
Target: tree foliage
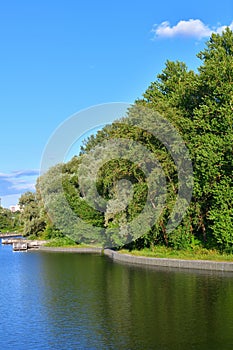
<point>9,221</point>
<point>200,106</point>
<point>34,221</point>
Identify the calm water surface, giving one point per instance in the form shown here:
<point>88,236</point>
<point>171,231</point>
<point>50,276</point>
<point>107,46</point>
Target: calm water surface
<point>77,301</point>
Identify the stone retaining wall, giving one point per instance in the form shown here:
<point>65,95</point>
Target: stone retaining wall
<point>178,263</point>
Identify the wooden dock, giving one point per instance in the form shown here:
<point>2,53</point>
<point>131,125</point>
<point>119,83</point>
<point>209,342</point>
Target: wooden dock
<point>20,244</point>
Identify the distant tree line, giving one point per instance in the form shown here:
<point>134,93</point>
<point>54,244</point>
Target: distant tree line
<point>9,221</point>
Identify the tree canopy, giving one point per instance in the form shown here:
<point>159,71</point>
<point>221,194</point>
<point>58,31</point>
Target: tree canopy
<point>199,105</point>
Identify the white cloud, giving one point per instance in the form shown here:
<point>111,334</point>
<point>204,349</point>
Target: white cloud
<point>22,186</point>
<point>193,28</point>
<point>220,29</point>
<point>17,182</point>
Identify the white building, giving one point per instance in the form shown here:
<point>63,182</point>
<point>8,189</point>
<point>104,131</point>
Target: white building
<point>14,208</point>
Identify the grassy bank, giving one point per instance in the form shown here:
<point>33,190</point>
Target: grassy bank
<point>66,242</point>
<point>192,254</point>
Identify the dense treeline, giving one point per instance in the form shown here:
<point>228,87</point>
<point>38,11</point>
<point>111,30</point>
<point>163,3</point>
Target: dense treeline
<point>200,106</point>
<point>9,221</point>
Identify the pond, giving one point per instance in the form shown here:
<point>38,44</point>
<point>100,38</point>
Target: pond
<point>85,301</point>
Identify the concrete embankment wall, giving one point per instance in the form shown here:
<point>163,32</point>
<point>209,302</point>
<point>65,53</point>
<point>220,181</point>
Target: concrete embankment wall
<point>177,263</point>
<point>141,260</point>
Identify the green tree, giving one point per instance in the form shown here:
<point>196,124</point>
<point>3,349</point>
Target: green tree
<point>9,221</point>
<point>200,107</point>
<point>31,214</point>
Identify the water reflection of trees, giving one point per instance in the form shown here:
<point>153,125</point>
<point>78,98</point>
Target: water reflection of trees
<point>101,303</point>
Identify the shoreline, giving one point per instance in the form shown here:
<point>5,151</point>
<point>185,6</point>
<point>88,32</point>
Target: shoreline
<point>148,261</point>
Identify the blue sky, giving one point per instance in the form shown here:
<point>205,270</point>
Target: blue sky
<point>59,57</point>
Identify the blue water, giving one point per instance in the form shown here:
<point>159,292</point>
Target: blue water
<point>77,301</point>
